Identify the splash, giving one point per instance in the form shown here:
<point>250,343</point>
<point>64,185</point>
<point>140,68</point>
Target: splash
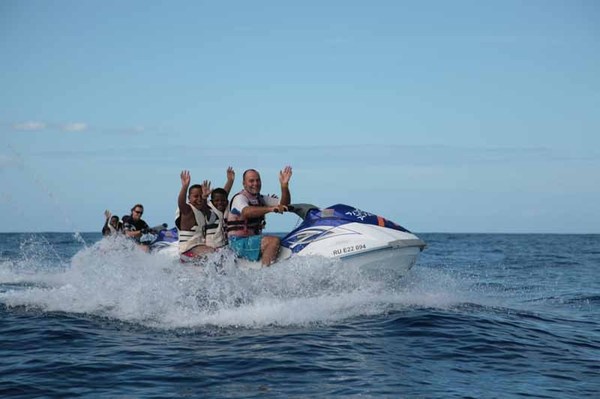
<point>114,279</point>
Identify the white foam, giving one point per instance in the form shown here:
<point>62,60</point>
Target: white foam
<point>114,279</point>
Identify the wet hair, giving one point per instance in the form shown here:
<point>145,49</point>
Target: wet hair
<point>137,206</point>
<point>218,190</point>
<point>194,186</point>
<point>113,217</point>
<point>249,170</point>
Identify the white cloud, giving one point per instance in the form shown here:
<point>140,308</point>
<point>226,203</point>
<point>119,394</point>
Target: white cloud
<point>33,126</point>
<point>29,126</point>
<point>74,127</point>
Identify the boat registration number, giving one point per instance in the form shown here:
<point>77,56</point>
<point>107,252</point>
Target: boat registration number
<point>347,250</point>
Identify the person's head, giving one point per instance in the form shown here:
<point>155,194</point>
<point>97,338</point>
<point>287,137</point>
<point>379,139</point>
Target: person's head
<point>251,181</point>
<point>137,211</point>
<point>218,197</point>
<point>114,221</point>
<point>195,195</point>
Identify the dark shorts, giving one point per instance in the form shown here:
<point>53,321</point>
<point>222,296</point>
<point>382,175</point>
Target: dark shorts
<point>246,247</point>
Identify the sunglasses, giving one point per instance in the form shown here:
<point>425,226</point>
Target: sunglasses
<point>140,212</point>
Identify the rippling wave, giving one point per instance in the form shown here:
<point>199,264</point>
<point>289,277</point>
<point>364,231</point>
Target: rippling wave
<point>478,316</point>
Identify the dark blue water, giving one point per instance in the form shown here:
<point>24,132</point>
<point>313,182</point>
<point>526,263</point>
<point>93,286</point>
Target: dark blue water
<point>494,316</point>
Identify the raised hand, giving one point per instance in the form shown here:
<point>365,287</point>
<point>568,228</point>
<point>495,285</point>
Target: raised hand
<point>185,178</point>
<point>285,175</point>
<point>205,189</point>
<point>230,174</point>
<point>107,214</point>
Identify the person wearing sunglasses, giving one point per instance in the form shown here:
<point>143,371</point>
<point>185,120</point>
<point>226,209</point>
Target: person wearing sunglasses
<point>134,226</point>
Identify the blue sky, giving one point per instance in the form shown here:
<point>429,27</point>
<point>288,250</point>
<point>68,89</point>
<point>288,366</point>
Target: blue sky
<point>444,116</point>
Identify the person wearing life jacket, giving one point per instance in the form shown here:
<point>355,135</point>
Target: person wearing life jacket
<point>216,233</point>
<point>191,218</point>
<point>201,224</point>
<point>216,221</point>
<point>247,217</point>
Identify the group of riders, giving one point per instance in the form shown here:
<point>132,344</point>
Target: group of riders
<point>207,221</point>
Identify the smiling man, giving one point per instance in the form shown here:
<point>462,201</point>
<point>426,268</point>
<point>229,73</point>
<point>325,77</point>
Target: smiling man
<point>246,218</point>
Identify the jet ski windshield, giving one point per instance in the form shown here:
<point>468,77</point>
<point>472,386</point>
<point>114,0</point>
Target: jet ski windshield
<point>340,214</point>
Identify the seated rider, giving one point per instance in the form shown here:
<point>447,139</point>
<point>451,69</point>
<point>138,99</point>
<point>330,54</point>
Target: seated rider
<point>112,225</point>
<point>216,233</point>
<point>247,216</point>
<point>134,226</point>
<point>201,224</point>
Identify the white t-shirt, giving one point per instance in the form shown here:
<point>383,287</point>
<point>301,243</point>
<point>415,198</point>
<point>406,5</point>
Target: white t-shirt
<point>241,201</point>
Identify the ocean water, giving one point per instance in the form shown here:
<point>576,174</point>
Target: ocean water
<point>479,316</point>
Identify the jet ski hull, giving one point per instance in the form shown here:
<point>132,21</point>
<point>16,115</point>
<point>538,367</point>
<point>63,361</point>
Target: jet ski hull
<point>398,260</point>
<point>357,238</point>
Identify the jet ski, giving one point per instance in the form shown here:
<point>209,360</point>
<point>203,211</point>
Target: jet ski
<point>161,238</point>
<point>343,232</point>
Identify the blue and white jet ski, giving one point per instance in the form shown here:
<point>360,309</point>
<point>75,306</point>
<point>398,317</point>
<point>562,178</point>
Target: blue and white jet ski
<point>339,232</point>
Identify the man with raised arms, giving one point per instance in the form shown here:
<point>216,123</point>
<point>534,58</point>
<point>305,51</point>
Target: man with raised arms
<point>246,217</point>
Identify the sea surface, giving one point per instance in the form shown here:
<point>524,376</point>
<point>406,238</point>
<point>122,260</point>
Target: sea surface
<point>479,316</point>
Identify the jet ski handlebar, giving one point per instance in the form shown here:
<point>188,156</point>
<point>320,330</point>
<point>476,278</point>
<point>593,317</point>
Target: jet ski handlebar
<point>301,209</point>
